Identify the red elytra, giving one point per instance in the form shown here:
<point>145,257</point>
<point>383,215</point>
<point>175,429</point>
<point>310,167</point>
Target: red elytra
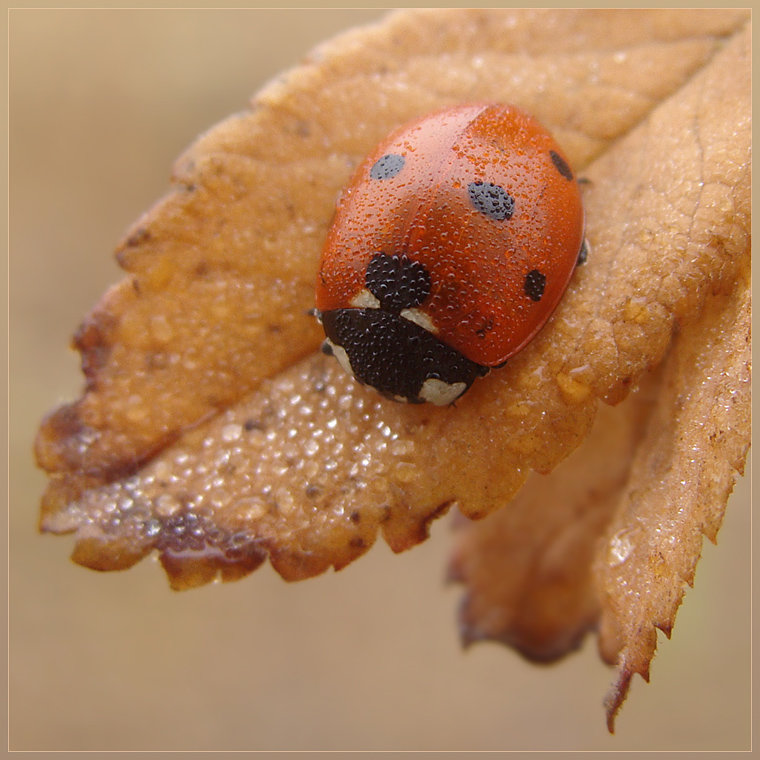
<point>481,198</point>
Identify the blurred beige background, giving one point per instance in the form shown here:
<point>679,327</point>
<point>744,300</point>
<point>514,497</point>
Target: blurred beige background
<point>101,103</point>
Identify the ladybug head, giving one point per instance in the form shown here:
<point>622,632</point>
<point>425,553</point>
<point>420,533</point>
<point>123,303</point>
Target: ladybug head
<point>387,342</point>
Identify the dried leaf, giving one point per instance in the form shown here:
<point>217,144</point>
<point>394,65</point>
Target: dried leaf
<point>528,566</point>
<point>537,574</point>
<point>212,432</point>
<point>682,474</point>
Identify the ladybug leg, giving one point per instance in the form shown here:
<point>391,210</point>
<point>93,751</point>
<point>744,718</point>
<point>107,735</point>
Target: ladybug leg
<point>583,253</point>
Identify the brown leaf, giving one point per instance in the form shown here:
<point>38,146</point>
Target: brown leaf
<point>536,572</point>
<point>527,566</point>
<point>681,476</point>
<point>212,432</point>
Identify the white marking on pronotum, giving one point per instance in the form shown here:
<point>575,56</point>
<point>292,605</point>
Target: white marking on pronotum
<point>365,300</point>
<point>419,318</point>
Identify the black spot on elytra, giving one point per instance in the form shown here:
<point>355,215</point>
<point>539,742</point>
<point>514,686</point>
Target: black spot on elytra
<point>491,200</point>
<point>388,166</point>
<point>561,165</point>
<point>535,282</point>
<point>397,282</point>
<point>486,326</point>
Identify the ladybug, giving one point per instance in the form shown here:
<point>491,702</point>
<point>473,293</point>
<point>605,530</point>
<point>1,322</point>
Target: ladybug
<point>449,250</point>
